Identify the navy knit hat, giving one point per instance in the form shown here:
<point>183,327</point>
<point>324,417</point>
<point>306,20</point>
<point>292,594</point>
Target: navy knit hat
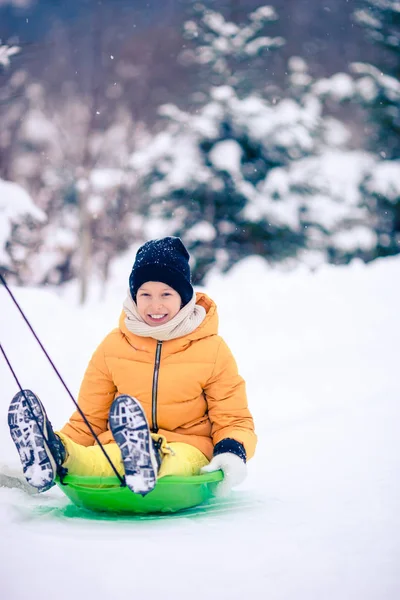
<point>165,260</point>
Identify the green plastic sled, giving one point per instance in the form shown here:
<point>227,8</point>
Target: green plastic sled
<point>171,494</point>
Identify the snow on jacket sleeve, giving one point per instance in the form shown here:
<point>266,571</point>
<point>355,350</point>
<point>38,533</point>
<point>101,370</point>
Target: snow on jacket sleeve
<point>227,403</point>
<point>96,395</point>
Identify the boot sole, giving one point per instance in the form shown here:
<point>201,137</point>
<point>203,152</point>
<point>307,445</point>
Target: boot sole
<point>129,426</point>
<point>38,464</point>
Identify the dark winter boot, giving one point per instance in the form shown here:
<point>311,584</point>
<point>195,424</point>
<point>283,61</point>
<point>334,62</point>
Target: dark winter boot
<point>140,455</point>
<point>40,449</point>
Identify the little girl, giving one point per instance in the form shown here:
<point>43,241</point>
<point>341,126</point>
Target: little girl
<point>162,392</point>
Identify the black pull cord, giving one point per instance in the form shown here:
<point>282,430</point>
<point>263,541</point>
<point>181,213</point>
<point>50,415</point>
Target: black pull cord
<point>23,392</point>
<point>121,479</point>
<point>61,471</point>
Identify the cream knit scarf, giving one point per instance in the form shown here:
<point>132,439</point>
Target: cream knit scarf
<point>186,321</point>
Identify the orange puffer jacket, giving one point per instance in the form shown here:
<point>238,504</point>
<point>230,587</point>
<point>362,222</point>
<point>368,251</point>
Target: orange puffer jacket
<point>198,398</point>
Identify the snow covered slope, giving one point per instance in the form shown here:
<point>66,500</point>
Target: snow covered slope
<point>318,516</point>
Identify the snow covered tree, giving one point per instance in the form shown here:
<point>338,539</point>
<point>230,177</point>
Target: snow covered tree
<point>17,215</point>
<point>320,194</point>
<point>6,52</point>
<point>69,145</point>
<point>379,93</point>
<point>71,153</point>
<point>12,106</point>
<point>229,53</point>
<point>244,176</point>
<point>203,170</point>
<point>192,171</point>
<point>229,178</point>
<point>77,170</point>
<point>377,89</point>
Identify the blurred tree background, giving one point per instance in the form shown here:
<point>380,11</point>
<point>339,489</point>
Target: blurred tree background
<point>244,127</point>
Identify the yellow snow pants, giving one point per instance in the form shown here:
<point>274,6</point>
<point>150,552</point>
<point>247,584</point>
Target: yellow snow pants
<point>177,458</point>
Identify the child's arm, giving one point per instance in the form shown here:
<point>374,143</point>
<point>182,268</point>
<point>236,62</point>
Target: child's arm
<point>227,403</point>
<point>96,395</point>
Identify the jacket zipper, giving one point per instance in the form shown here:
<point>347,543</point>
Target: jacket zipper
<point>154,426</point>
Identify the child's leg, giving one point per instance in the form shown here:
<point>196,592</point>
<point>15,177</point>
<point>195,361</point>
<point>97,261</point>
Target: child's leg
<point>90,460</point>
<point>179,458</point>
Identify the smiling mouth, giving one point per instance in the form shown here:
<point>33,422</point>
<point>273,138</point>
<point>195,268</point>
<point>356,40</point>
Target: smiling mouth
<point>157,317</point>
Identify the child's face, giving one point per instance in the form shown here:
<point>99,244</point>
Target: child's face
<point>157,303</point>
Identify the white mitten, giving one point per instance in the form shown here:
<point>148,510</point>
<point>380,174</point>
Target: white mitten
<point>233,467</point>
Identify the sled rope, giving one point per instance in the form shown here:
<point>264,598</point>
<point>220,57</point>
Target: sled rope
<point>61,472</point>
<point>23,393</point>
<point>121,479</point>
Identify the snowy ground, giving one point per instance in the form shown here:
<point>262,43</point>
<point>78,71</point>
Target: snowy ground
<point>318,516</point>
